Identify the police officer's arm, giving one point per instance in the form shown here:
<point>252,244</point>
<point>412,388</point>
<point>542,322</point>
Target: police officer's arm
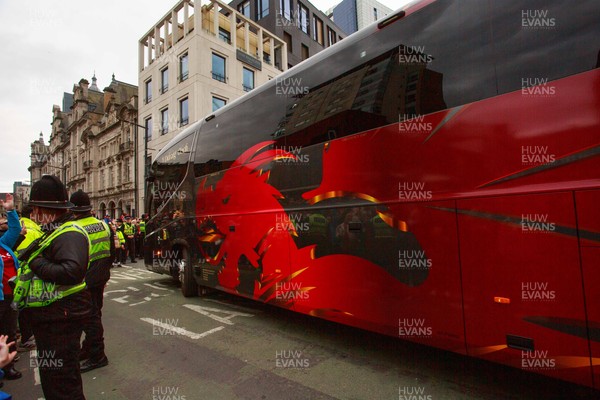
<point>65,261</point>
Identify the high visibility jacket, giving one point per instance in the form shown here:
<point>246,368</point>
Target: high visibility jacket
<point>33,232</point>
<point>142,226</point>
<point>31,291</point>
<point>99,235</point>
<point>128,229</point>
<point>121,237</point>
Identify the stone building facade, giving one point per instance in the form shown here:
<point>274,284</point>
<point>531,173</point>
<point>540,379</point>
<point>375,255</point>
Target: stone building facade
<point>91,146</point>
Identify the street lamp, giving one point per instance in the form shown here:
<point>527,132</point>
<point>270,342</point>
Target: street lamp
<point>136,197</point>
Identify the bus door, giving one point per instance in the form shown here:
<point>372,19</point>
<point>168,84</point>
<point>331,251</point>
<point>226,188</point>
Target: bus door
<point>522,283</point>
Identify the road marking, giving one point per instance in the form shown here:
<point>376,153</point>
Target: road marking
<point>157,287</point>
<point>121,299</point>
<point>209,313</point>
<point>181,331</point>
<point>36,370</point>
<point>234,306</point>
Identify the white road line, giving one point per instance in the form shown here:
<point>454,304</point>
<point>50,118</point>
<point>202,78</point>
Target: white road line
<point>36,370</point>
<point>181,331</point>
<point>234,306</point>
<point>209,313</point>
<point>121,299</point>
<point>133,288</point>
<point>157,287</point>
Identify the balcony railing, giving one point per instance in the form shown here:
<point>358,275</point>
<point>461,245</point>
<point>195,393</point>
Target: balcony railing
<point>218,77</point>
<point>123,147</point>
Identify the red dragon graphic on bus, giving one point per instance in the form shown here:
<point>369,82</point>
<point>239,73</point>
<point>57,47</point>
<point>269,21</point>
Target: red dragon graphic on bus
<point>236,238</point>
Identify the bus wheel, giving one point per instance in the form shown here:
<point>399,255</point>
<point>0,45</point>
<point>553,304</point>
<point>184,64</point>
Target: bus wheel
<point>189,288</point>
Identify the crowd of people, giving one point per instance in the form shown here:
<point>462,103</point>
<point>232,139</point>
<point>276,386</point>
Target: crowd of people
<point>55,262</point>
<point>129,237</point>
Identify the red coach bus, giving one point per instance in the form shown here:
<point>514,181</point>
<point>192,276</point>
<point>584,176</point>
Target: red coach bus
<point>433,177</point>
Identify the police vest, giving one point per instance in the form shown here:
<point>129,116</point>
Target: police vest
<point>33,232</point>
<point>128,228</point>
<point>31,291</point>
<point>99,235</point>
<point>142,227</point>
<point>120,236</point>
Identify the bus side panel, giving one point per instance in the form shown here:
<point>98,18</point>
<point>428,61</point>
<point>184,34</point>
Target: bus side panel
<point>399,278</point>
<point>522,284</point>
<point>588,218</point>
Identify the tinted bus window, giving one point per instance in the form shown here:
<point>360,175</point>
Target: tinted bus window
<point>544,40</point>
<point>437,58</point>
<point>223,138</point>
<point>170,191</point>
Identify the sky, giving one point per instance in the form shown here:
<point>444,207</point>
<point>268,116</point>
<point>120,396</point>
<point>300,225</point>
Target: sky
<point>49,45</point>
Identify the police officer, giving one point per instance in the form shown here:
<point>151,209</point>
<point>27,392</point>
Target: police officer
<point>50,289</point>
<point>101,258</point>
<point>129,232</point>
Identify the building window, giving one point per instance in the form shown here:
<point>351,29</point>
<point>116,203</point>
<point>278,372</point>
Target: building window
<point>284,9</point>
<point>217,103</point>
<point>218,68</point>
<point>244,8</point>
<point>287,38</point>
<point>332,36</point>
<point>304,52</point>
<point>183,67</point>
<point>148,85</point>
<point>248,79</point>
<point>148,126</point>
<point>224,35</point>
<point>164,121</point>
<point>303,18</point>
<point>262,8</point>
<point>318,30</point>
<point>164,80</point>
<point>375,13</point>
<point>183,112</point>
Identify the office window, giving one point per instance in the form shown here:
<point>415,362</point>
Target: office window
<point>244,8</point>
<point>183,67</point>
<point>164,80</point>
<point>218,68</point>
<point>318,30</point>
<point>184,116</point>
<point>248,79</point>
<point>285,9</point>
<point>164,121</point>
<point>331,35</point>
<point>217,103</point>
<point>304,52</point>
<point>303,18</point>
<point>262,8</point>
<point>148,126</point>
<point>148,85</point>
<point>224,35</point>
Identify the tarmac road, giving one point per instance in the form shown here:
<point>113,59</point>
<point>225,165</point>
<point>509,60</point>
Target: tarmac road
<point>163,346</point>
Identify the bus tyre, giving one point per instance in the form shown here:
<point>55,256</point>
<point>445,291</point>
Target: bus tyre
<point>189,288</point>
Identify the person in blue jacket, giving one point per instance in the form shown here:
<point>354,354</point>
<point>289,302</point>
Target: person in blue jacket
<point>8,316</point>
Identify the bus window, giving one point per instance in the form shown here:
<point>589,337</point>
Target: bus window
<point>424,63</point>
<point>543,42</point>
<point>170,192</point>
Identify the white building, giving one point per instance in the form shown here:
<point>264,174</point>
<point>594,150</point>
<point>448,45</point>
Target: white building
<point>194,60</point>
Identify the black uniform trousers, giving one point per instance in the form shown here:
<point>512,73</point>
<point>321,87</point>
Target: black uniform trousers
<point>93,345</point>
<point>58,358</point>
